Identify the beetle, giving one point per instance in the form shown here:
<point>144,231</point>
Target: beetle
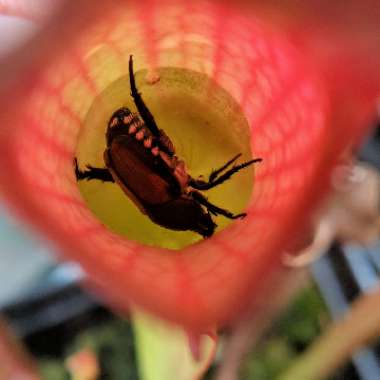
<point>141,159</point>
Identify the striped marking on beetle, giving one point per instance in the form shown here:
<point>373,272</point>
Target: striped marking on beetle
<point>140,135</point>
<point>114,122</point>
<point>148,142</point>
<point>132,129</point>
<point>128,119</point>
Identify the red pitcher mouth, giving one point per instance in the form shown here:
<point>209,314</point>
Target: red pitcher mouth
<point>282,96</point>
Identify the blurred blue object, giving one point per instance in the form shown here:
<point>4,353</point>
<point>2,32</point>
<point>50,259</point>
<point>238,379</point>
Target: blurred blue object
<point>342,276</point>
<point>37,292</point>
<point>348,271</point>
<point>23,259</point>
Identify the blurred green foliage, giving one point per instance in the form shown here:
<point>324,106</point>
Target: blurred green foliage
<point>302,322</point>
<point>113,343</point>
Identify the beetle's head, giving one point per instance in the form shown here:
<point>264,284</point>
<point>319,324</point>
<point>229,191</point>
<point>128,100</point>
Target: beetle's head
<point>205,225</point>
<point>183,214</point>
<point>117,123</point>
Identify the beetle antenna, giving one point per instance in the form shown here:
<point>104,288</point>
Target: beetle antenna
<point>140,104</point>
<point>216,172</point>
<point>202,185</point>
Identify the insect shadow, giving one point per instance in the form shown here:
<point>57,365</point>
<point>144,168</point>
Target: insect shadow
<point>141,159</point>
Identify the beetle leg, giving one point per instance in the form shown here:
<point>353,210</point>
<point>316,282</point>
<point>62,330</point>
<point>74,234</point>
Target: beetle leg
<point>141,106</point>
<point>216,172</point>
<point>203,185</point>
<point>215,210</point>
<point>101,174</point>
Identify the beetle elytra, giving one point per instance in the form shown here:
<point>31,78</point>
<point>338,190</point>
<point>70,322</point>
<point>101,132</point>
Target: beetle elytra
<point>141,159</point>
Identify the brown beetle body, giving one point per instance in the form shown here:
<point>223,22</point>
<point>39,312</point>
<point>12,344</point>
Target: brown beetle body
<point>141,159</point>
<point>156,181</point>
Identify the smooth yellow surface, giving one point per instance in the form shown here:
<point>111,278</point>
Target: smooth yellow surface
<point>207,128</point>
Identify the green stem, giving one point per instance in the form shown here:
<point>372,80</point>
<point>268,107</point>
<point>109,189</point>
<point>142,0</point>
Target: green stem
<point>357,329</point>
<point>163,350</point>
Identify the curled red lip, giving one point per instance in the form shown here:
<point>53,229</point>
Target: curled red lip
<point>298,127</point>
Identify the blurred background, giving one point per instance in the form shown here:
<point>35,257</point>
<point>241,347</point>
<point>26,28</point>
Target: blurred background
<point>42,301</point>
<point>45,306</point>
